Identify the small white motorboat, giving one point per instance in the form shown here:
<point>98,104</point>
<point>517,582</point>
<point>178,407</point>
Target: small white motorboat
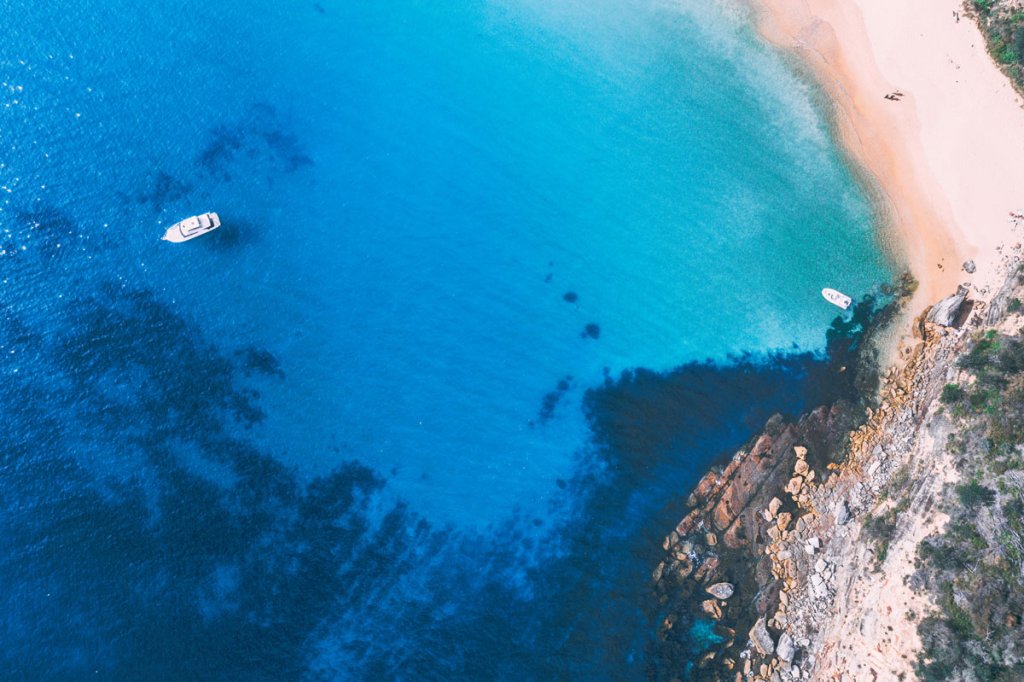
<point>193,227</point>
<point>836,298</point>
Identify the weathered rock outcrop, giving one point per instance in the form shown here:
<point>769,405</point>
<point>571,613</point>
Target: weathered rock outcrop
<point>947,311</point>
<point>805,537</point>
<point>825,552</point>
<point>719,548</point>
<point>780,510</point>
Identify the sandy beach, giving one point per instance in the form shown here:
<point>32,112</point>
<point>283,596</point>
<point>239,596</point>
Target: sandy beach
<point>947,155</point>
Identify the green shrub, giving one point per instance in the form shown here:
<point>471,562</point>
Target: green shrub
<point>1014,511</point>
<point>956,446</point>
<point>981,399</point>
<point>980,356</point>
<point>1006,425</point>
<point>951,393</point>
<point>976,634</point>
<point>1018,47</point>
<point>958,620</point>
<point>974,494</point>
<point>881,528</point>
<point>1001,466</point>
<point>943,556</point>
<point>943,650</point>
<point>965,531</point>
<point>1011,357</point>
<point>1015,304</point>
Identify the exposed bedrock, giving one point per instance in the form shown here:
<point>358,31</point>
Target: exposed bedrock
<point>719,549</point>
<point>764,523</point>
<point>947,311</point>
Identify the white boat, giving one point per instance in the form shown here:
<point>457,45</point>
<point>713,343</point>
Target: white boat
<point>193,227</point>
<point>837,298</point>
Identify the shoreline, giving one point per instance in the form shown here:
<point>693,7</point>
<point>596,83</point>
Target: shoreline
<point>781,534</point>
<point>720,547</point>
<point>942,160</point>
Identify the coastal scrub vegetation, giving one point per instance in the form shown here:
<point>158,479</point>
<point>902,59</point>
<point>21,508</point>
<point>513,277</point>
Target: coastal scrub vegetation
<point>881,529</point>
<point>1002,23</point>
<point>976,565</point>
<point>880,526</point>
<point>951,393</point>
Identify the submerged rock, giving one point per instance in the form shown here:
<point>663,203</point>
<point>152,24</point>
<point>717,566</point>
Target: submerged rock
<point>721,590</point>
<point>710,607</point>
<point>706,569</point>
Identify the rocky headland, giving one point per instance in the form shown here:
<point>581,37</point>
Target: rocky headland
<point>884,540</point>
<point>804,547</point>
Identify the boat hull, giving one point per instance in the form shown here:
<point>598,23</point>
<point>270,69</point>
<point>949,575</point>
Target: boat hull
<point>193,227</point>
<point>837,298</point>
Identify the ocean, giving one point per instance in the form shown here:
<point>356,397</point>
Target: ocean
<point>498,281</point>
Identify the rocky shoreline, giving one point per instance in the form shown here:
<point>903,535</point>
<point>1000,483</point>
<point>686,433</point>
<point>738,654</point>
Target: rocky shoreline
<point>772,547</point>
<point>725,537</point>
<point>812,561</point>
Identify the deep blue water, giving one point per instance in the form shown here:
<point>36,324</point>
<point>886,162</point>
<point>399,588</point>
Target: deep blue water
<point>498,281</point>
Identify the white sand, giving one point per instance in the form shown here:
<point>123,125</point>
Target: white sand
<point>949,157</point>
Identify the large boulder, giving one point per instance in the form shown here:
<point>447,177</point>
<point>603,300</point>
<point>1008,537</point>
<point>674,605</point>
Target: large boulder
<point>945,311</point>
<point>761,638</point>
<point>842,513</point>
<point>786,648</point>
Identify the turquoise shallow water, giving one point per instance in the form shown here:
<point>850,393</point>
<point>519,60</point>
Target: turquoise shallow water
<point>376,426</point>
